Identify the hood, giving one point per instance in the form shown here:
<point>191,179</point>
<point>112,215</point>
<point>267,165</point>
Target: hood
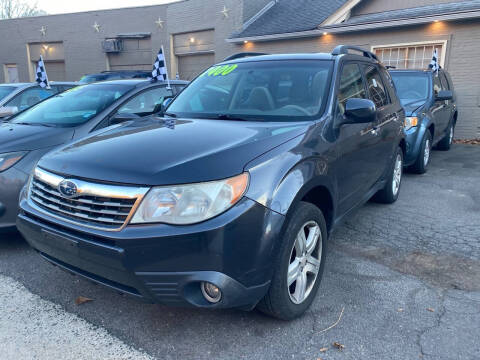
<point>411,107</point>
<point>156,151</point>
<point>16,137</point>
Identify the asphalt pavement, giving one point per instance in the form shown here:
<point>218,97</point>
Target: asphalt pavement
<point>402,282</point>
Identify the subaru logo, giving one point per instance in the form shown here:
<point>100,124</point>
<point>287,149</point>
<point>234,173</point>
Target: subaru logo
<point>68,188</point>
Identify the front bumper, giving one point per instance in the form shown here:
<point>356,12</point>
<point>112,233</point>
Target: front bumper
<point>163,263</point>
<point>11,184</point>
<point>413,139</point>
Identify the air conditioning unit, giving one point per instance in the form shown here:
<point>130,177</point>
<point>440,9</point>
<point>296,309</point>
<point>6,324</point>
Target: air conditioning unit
<point>112,46</point>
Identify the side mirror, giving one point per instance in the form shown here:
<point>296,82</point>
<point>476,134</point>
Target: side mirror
<point>444,95</point>
<point>162,107</point>
<point>359,111</point>
<point>7,111</point>
<point>122,117</point>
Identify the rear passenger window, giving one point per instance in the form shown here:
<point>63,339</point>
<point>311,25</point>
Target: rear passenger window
<point>351,86</point>
<point>376,88</point>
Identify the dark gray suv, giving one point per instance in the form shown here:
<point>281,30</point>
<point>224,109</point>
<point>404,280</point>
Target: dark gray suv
<point>229,198</point>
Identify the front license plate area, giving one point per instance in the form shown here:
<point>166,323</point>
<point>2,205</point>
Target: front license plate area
<point>59,242</point>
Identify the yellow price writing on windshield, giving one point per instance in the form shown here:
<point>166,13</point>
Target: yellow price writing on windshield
<point>220,70</point>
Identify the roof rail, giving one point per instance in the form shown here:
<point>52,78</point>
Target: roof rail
<point>343,49</point>
<point>243,55</point>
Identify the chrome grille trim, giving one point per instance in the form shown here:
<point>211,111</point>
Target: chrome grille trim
<point>97,206</point>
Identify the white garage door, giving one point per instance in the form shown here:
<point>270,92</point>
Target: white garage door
<point>189,66</point>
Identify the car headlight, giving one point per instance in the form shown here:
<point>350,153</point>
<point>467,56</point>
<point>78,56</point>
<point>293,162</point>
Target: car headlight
<point>411,121</point>
<point>192,203</point>
<point>9,159</point>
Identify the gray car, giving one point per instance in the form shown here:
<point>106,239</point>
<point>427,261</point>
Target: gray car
<point>69,116</point>
<point>21,96</point>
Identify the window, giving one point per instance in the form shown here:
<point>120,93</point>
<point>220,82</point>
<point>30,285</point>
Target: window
<point>376,88</point>
<point>31,97</point>
<point>283,90</point>
<point>351,85</point>
<point>74,107</point>
<point>11,73</point>
<point>437,85</point>
<point>410,56</point>
<point>445,84</point>
<point>145,103</point>
<point>5,91</point>
<point>411,87</point>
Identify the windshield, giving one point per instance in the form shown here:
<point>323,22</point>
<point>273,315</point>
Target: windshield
<point>73,107</point>
<point>87,79</point>
<point>283,90</point>
<point>411,87</point>
<point>5,91</point>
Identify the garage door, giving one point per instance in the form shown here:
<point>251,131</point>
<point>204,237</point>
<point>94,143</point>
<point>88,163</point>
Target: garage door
<point>55,71</point>
<point>189,66</point>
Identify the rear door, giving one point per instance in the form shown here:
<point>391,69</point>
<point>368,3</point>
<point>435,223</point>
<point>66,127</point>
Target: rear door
<point>386,124</point>
<point>356,144</point>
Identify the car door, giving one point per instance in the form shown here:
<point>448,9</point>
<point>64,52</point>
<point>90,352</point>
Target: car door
<point>356,144</point>
<point>439,109</point>
<point>449,104</point>
<point>386,125</point>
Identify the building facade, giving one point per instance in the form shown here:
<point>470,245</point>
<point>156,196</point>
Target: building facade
<point>198,33</point>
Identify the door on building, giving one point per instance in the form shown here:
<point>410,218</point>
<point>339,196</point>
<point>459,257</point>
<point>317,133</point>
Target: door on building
<point>11,73</point>
<point>189,66</point>
<point>55,70</point>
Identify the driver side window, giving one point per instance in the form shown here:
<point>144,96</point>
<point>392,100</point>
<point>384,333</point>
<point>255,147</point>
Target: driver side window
<point>145,103</point>
<point>351,86</point>
<point>31,97</point>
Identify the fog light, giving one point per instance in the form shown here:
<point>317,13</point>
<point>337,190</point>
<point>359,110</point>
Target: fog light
<point>211,292</point>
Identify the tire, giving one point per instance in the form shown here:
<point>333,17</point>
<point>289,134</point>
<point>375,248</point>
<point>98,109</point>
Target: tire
<point>389,194</point>
<point>284,301</point>
<point>446,143</point>
<point>423,159</point>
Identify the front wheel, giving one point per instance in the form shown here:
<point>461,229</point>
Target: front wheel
<point>423,158</point>
<point>298,268</point>
<point>389,194</point>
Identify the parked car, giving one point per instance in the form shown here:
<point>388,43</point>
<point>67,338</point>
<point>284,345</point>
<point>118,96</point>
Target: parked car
<point>115,75</point>
<point>229,199</point>
<point>430,105</point>
<point>68,116</point>
<point>21,96</point>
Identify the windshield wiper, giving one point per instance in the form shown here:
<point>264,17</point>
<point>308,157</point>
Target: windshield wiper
<point>171,115</point>
<point>229,117</point>
<point>34,124</point>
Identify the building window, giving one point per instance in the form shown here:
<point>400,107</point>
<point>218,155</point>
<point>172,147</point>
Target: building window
<point>11,73</point>
<point>410,56</point>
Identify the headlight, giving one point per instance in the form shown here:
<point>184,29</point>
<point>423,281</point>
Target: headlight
<point>410,122</point>
<point>9,159</point>
<point>190,204</point>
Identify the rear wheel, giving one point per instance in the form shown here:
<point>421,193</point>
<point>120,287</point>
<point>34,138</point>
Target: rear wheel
<point>389,194</point>
<point>299,264</point>
<point>423,158</point>
<point>446,143</point>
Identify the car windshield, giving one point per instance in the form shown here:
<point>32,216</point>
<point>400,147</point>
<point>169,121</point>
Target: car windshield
<point>282,90</point>
<point>411,87</point>
<point>73,107</point>
<point>5,91</point>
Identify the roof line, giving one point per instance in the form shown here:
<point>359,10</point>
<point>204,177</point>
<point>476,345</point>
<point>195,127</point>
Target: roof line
<point>346,27</point>
<point>341,14</point>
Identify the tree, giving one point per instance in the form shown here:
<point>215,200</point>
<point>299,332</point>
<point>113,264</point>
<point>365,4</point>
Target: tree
<point>11,9</point>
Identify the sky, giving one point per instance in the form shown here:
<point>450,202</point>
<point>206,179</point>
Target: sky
<point>62,6</point>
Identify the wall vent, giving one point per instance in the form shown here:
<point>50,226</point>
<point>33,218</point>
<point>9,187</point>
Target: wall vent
<point>112,46</point>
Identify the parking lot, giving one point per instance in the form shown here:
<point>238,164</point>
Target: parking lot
<point>401,282</point>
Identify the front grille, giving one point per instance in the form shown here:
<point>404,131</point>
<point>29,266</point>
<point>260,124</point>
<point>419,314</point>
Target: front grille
<point>107,207</point>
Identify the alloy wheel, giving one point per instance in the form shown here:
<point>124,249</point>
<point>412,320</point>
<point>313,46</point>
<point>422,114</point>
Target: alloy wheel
<point>426,153</point>
<point>305,261</point>
<point>397,175</point>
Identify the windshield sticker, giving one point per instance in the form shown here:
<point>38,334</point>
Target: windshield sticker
<point>220,70</point>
